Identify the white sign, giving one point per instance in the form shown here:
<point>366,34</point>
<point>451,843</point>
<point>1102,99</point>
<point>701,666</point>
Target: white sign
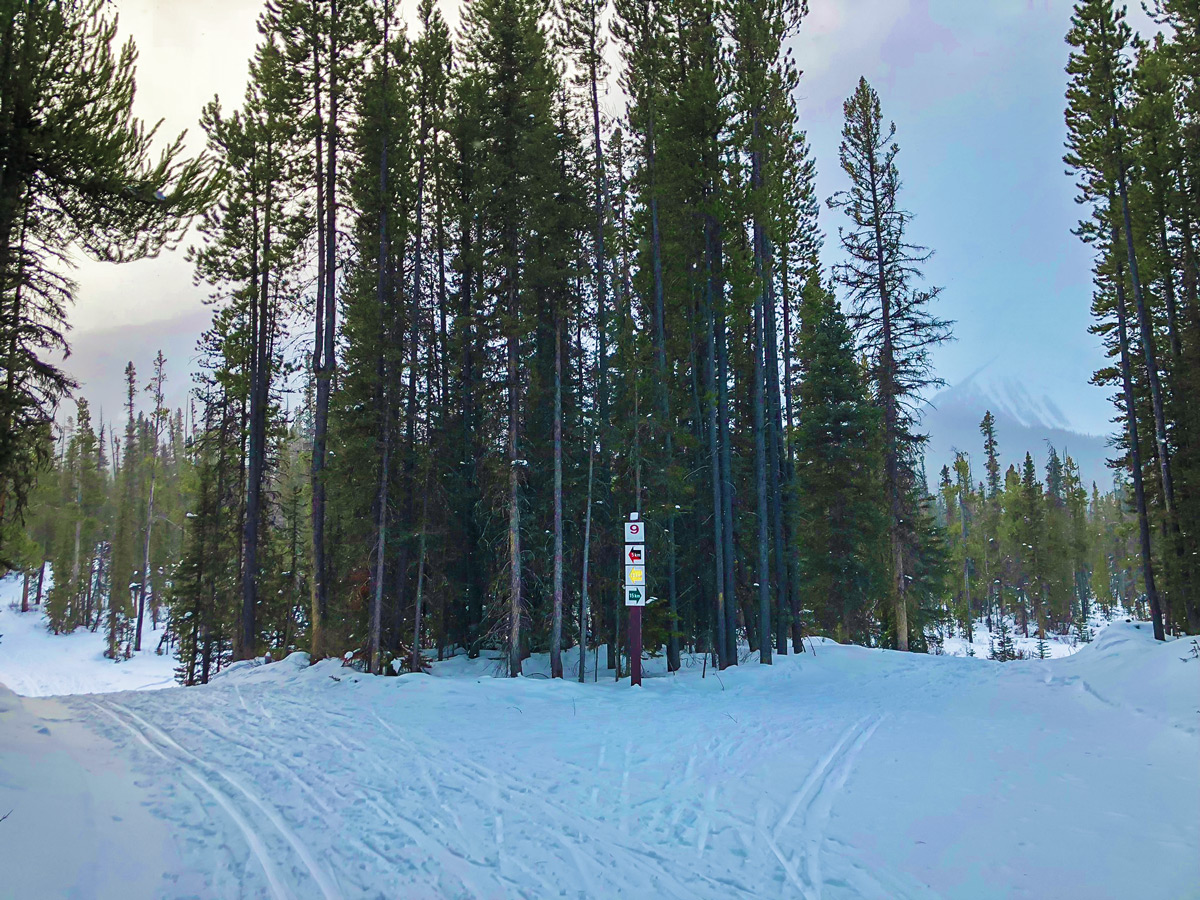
<point>635,561</point>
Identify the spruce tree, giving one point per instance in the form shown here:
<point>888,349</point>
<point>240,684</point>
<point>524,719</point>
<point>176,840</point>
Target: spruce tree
<point>123,577</point>
<point>891,314</point>
<point>837,495</point>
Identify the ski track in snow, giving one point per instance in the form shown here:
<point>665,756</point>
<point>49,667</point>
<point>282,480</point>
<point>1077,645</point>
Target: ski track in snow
<point>851,773</point>
<point>605,858</point>
<point>278,891</point>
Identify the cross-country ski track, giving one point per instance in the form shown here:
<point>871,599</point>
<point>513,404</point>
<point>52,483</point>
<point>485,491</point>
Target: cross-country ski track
<point>840,773</point>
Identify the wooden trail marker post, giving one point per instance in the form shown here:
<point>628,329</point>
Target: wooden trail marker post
<point>635,590</point>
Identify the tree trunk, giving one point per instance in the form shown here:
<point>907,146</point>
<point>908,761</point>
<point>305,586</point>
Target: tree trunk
<point>470,575</point>
<point>1149,354</point>
<point>259,399</point>
<point>776,485</point>
<point>587,547</point>
<point>1146,327</point>
<point>724,627</point>
<point>73,587</point>
<point>793,595</point>
<point>891,436</point>
<point>324,362</point>
<point>375,623</point>
<point>556,667</point>
<point>514,484</point>
<point>726,471</point>
<point>416,665</point>
<point>666,424</point>
<point>1135,453</point>
<point>765,636</point>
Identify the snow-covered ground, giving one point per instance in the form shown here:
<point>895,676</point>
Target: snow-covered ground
<point>37,663</point>
<point>842,773</point>
<point>1057,645</point>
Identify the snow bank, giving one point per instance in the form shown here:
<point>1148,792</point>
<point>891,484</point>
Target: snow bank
<point>843,773</point>
<point>840,774</point>
<point>36,663</point>
<point>1127,669</point>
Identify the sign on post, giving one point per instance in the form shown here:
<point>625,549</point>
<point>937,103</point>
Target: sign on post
<point>635,590</point>
<point>635,532</point>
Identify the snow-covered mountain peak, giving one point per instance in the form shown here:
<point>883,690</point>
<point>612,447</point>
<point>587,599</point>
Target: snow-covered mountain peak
<point>1026,421</point>
<point>1008,396</point>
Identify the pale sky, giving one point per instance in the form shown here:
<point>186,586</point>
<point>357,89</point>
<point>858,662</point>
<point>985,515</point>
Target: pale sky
<point>976,90</point>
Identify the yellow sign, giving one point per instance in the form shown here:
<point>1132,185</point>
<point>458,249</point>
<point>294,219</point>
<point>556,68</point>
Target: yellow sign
<point>635,575</point>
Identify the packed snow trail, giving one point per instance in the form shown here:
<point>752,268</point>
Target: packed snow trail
<point>844,773</point>
<point>79,821</point>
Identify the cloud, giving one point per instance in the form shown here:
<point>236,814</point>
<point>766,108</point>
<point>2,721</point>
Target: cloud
<point>98,358</point>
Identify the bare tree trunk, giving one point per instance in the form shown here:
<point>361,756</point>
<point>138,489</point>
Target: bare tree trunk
<point>416,664</point>
<point>793,595</point>
<point>765,508</point>
<point>664,393</point>
<point>25,594</point>
<point>324,362</point>
<point>777,483</point>
<point>514,484</point>
<point>375,625</point>
<point>1135,452</point>
<point>760,488</point>
<point>414,347</point>
<point>1145,325</point>
<point>256,451</point>
<point>587,546</point>
<point>141,602</point>
<point>724,627</point>
<point>556,667</point>
<point>731,658</point>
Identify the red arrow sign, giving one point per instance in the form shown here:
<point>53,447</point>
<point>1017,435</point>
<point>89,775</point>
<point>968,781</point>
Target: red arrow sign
<point>635,554</point>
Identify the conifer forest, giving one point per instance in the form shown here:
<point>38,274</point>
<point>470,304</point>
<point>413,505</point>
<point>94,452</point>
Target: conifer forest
<point>463,321</point>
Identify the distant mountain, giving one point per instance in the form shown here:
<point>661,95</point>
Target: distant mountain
<point>1025,421</point>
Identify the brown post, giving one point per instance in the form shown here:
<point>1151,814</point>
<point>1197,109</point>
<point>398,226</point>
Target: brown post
<point>635,590</point>
<point>635,645</point>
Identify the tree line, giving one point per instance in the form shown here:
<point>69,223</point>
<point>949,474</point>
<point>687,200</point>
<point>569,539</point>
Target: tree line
<point>1034,548</point>
<point>464,320</point>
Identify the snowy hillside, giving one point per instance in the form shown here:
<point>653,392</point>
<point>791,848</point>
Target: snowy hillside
<point>36,663</point>
<point>1025,421</point>
<point>842,773</point>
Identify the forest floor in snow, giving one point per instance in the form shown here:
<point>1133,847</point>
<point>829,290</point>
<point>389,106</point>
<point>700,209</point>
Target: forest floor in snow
<point>36,663</point>
<point>955,643</point>
<point>843,772</point>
